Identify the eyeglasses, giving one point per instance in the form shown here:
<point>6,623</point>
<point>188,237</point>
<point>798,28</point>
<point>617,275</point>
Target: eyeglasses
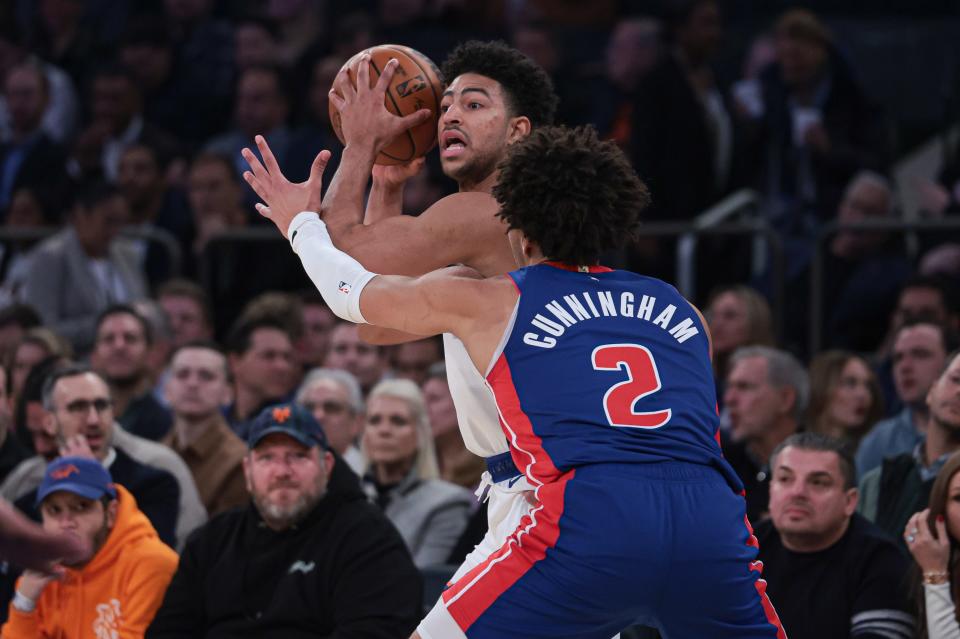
<point>81,407</point>
<point>330,407</point>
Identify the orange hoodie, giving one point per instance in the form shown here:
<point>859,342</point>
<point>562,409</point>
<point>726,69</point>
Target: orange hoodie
<point>114,596</point>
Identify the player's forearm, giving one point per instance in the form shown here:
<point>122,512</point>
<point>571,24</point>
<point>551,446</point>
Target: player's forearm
<point>384,201</point>
<point>342,207</point>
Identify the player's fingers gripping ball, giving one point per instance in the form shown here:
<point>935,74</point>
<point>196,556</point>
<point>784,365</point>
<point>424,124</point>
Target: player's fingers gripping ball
<point>416,85</point>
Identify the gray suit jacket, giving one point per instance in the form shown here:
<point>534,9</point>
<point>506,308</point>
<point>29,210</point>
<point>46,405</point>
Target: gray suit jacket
<point>62,287</point>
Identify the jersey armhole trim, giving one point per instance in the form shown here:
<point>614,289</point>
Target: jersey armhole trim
<point>507,332</point>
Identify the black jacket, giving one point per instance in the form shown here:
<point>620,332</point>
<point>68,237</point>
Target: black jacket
<point>343,572</point>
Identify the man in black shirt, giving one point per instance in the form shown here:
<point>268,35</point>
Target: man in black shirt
<point>309,557</point>
<point>830,572</point>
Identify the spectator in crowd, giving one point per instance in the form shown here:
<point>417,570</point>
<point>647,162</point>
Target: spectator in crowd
<point>36,345</point>
<point>815,128</point>
<point>59,35</point>
<point>256,42</point>
<point>366,362</point>
<point>78,407</point>
<point>931,537</point>
<point>34,429</point>
<point>260,108</point>
<point>682,140</point>
<point>28,155</point>
<point>900,487</point>
<point>737,316</point>
<point>308,557</point>
<point>161,343</point>
<point>830,571</point>
<point>260,353</point>
<point>15,320</point>
<point>81,270</point>
<point>412,360</point>
<point>318,322</point>
<point>11,451</point>
<point>845,399</point>
<point>920,351</point>
<point>121,356</point>
<point>334,399</point>
<point>298,25</point>
<point>117,588</point>
<point>863,271</point>
<point>766,397</point>
<point>403,478</point>
<point>188,309</point>
<point>62,108</point>
<point>315,132</point>
<point>116,122</point>
<point>457,464</point>
<point>197,390</point>
<point>142,180</point>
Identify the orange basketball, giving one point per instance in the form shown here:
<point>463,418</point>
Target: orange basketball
<point>416,85</point>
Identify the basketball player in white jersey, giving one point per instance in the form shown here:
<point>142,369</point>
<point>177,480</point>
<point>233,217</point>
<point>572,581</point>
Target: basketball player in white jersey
<point>495,97</point>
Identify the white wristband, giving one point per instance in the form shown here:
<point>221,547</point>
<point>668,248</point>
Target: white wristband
<point>23,603</point>
<point>339,278</point>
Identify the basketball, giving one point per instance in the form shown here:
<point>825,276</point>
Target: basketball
<point>416,85</point>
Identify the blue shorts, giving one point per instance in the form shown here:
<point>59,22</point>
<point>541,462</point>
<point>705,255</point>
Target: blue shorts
<point>611,545</point>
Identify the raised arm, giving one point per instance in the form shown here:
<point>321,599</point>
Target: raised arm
<point>386,193</point>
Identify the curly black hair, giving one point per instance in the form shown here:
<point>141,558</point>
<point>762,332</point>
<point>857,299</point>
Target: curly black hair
<point>527,86</point>
<point>573,194</point>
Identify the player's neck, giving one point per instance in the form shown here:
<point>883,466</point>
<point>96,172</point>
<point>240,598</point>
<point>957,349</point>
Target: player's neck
<point>483,186</point>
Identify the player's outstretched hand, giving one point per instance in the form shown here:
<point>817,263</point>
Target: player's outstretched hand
<point>282,198</point>
<point>363,116</point>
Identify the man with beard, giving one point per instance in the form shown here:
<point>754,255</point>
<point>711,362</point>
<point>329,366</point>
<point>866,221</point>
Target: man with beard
<point>121,355</point>
<point>117,585</point>
<point>900,487</point>
<point>309,557</point>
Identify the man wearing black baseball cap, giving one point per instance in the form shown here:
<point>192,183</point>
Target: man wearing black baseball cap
<point>308,557</point>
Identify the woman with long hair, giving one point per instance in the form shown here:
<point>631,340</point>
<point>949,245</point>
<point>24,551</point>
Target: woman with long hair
<point>933,538</point>
<point>845,397</point>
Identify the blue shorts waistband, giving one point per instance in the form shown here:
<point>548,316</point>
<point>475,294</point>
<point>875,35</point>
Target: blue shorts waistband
<point>673,470</point>
<point>501,467</point>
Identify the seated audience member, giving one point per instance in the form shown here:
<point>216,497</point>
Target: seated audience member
<point>189,311</point>
<point>12,452</point>
<point>900,487</point>
<point>402,476</point>
<point>845,399</point>
<point>36,345</point>
<point>457,464</point>
<point>114,591</point>
<point>79,411</point>
<point>737,316</point>
<point>766,396</point>
<point>366,362</point>
<point>161,334</point>
<point>318,322</point>
<point>35,431</point>
<point>830,572</point>
<point>260,353</point>
<point>15,321</point>
<point>920,351</point>
<point>932,537</point>
<point>197,390</point>
<point>334,399</point>
<point>121,356</point>
<point>412,360</point>
<point>80,271</point>
<point>309,557</point>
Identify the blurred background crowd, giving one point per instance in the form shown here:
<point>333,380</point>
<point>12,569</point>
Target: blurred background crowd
<point>766,133</point>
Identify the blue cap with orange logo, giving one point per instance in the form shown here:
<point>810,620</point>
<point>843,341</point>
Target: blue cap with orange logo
<point>78,475</point>
<point>291,420</point>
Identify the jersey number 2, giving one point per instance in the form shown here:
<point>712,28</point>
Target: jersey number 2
<point>642,380</point>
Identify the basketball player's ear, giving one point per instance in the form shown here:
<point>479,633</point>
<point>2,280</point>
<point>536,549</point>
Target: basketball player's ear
<point>519,128</point>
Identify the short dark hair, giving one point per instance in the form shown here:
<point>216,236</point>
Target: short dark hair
<point>948,336</point>
<point>125,309</point>
<point>528,88</point>
<point>940,283</point>
<point>204,344</point>
<point>71,370</point>
<point>23,315</point>
<point>573,194</point>
<point>816,441</point>
<point>180,287</point>
<point>240,337</point>
<point>94,192</point>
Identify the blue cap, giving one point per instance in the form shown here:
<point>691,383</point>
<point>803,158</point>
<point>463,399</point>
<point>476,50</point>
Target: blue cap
<point>78,475</point>
<point>289,419</point>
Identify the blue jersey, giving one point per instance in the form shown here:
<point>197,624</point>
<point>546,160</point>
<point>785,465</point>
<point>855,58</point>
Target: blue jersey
<point>604,366</point>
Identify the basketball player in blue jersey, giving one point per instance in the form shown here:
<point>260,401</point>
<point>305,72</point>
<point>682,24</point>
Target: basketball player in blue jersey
<point>603,383</point>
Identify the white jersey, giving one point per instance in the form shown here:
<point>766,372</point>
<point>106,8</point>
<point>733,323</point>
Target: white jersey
<point>476,411</point>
